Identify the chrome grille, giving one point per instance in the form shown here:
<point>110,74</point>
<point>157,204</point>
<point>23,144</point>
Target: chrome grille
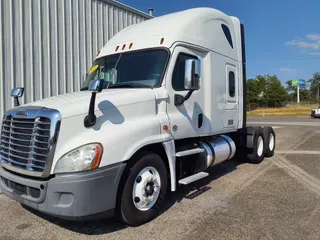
<point>25,142</point>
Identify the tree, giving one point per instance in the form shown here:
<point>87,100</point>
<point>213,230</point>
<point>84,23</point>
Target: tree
<point>252,91</point>
<point>265,90</point>
<point>275,92</point>
<point>305,96</point>
<point>315,85</point>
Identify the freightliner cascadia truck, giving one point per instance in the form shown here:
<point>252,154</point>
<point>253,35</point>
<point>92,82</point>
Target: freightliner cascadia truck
<point>164,101</point>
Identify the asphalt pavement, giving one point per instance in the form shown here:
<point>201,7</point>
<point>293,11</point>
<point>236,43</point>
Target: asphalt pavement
<point>277,199</point>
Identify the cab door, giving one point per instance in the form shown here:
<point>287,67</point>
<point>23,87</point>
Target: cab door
<point>186,120</point>
<point>231,108</point>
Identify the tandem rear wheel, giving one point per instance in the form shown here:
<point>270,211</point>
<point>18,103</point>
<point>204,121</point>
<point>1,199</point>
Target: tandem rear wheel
<point>261,144</point>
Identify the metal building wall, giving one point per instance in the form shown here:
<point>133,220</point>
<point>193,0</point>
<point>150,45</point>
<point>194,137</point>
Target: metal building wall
<point>47,45</point>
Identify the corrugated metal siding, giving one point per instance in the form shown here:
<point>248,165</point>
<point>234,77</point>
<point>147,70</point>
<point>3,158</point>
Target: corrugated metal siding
<point>47,45</point>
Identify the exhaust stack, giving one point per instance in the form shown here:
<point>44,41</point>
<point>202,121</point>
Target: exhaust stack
<point>151,11</point>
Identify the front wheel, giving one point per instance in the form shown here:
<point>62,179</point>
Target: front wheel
<point>143,190</point>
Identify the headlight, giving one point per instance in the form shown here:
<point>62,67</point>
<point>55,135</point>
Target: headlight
<point>82,158</point>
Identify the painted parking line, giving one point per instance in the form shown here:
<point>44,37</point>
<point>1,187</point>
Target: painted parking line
<point>299,174</point>
<point>297,152</point>
<point>276,127</point>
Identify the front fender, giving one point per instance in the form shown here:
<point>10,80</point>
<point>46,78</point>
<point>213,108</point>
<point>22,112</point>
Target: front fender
<point>122,131</point>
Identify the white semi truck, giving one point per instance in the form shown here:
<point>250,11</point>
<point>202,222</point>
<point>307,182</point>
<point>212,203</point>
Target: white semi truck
<point>164,100</point>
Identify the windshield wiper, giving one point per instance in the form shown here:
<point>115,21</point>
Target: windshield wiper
<point>121,86</point>
<point>127,85</point>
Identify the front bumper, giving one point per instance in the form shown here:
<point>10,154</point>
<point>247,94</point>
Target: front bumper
<point>76,196</point>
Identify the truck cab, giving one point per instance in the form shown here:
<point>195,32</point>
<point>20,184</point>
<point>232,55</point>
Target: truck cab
<point>163,101</point>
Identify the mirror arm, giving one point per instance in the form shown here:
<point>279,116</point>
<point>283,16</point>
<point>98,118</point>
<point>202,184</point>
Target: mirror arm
<point>179,99</point>
<point>91,119</point>
<point>16,102</point>
<point>188,95</point>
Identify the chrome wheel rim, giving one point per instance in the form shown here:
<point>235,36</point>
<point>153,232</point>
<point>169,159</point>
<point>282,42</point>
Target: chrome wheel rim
<point>146,188</point>
<point>271,142</point>
<point>260,146</point>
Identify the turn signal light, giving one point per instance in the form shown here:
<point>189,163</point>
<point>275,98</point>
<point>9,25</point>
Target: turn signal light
<point>95,163</point>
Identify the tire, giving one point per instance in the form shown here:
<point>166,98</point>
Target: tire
<point>270,141</point>
<point>256,154</point>
<point>144,177</point>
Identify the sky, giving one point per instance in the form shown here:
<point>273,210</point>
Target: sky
<point>282,36</point>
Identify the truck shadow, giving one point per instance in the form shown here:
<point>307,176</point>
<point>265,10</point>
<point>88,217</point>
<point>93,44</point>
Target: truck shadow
<point>105,226</point>
<point>195,189</point>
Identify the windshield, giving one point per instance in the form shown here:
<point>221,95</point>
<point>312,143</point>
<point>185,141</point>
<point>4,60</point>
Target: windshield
<point>131,69</point>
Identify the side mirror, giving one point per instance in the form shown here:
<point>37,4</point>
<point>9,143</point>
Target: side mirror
<point>95,87</point>
<point>192,74</point>
<point>17,93</point>
<point>191,80</point>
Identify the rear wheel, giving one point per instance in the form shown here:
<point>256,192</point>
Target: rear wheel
<point>270,141</point>
<point>143,190</point>
<point>256,154</point>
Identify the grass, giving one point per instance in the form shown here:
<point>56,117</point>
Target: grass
<point>295,110</point>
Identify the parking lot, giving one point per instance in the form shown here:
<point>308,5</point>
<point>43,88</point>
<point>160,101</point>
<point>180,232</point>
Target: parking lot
<point>278,199</point>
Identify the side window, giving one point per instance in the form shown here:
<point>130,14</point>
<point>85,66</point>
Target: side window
<point>227,33</point>
<point>178,72</point>
<point>232,84</point>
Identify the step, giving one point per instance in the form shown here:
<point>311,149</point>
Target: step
<point>189,152</point>
<point>193,178</point>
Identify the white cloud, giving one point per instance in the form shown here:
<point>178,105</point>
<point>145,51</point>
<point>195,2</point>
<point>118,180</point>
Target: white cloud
<point>314,54</point>
<point>288,70</point>
<point>311,41</point>
<point>313,37</point>
<point>302,44</point>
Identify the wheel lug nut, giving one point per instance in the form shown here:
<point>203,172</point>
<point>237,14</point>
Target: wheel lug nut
<point>139,179</point>
<point>136,199</point>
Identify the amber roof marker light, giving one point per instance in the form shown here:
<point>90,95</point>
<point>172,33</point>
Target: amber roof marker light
<point>161,41</point>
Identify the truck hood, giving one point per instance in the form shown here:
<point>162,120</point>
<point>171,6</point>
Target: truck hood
<point>77,103</point>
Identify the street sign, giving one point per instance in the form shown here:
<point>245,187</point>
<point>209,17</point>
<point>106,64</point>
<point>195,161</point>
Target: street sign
<point>294,83</point>
<point>302,83</point>
<point>299,82</point>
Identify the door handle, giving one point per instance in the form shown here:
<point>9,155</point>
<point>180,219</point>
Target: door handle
<point>200,120</point>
